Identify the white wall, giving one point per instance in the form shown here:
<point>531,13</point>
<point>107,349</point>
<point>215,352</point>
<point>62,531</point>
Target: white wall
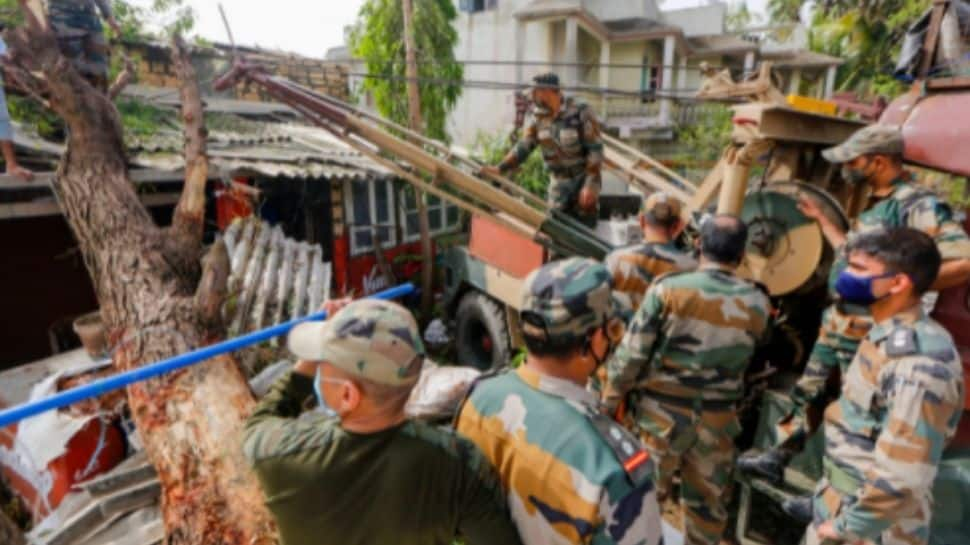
<point>491,35</point>
<point>699,21</point>
<point>610,10</point>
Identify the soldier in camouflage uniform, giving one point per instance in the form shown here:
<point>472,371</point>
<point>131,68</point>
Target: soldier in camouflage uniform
<point>901,400</point>
<point>572,475</point>
<point>634,268</point>
<point>368,475</point>
<point>569,135</point>
<point>81,37</point>
<point>680,370</point>
<point>872,155</point>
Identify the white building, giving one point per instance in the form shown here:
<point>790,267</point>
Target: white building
<point>621,45</point>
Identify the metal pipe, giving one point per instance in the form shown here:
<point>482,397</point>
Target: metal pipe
<point>120,380</point>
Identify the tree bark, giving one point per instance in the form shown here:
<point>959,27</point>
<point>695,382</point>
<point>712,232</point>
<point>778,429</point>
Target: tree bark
<point>147,282</point>
<point>415,124</point>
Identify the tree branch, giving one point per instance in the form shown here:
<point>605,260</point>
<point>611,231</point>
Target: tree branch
<point>122,81</point>
<point>188,220</point>
<point>213,287</point>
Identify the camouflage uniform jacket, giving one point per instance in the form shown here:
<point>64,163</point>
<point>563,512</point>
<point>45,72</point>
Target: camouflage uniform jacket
<point>843,327</point>
<point>692,338</point>
<point>901,400</point>
<point>410,484</point>
<point>635,267</point>
<point>571,474</point>
<point>570,142</point>
<point>909,205</point>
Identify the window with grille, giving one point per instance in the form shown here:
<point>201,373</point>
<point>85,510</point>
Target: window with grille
<point>443,217</point>
<point>370,205</point>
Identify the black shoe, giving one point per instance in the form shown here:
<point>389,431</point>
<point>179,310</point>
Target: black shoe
<point>769,464</point>
<point>799,508</point>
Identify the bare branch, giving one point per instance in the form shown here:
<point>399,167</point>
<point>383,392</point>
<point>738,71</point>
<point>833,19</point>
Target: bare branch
<point>187,222</point>
<point>213,287</point>
<point>122,81</point>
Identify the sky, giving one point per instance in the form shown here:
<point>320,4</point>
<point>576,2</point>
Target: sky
<point>307,27</point>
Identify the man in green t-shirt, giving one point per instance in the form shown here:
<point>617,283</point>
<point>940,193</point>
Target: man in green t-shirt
<point>368,475</point>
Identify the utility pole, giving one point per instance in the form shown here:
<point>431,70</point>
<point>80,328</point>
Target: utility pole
<point>415,124</point>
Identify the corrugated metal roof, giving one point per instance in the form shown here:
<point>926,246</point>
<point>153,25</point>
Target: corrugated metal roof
<point>273,278</point>
<point>239,145</point>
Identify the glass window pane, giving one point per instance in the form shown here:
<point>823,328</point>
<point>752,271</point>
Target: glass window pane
<point>362,238</point>
<point>433,201</point>
<point>385,236</point>
<point>383,202</point>
<point>412,227</point>
<point>434,219</point>
<point>361,203</point>
<point>452,215</point>
<point>409,202</point>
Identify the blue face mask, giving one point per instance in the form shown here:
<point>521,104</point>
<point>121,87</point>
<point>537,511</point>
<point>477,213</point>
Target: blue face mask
<point>858,289</point>
<point>316,390</point>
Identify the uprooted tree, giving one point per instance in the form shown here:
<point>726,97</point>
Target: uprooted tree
<point>158,296</point>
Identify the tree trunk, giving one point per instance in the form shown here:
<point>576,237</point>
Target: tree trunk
<point>10,534</point>
<point>146,281</point>
<point>414,122</point>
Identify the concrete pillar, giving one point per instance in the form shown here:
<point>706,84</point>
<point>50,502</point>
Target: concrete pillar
<point>795,82</point>
<point>604,71</point>
<point>667,78</point>
<point>682,76</point>
<point>519,51</point>
<point>830,81</point>
<point>571,51</point>
<point>748,63</point>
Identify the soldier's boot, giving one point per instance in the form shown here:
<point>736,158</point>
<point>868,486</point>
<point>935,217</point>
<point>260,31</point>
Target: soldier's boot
<point>798,508</point>
<point>769,464</point>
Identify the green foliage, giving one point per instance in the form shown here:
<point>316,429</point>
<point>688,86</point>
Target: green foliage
<point>378,39</point>
<point>867,35</point>
<point>784,11</point>
<point>705,140</point>
<point>32,114</point>
<point>740,17</point>
<point>142,119</point>
<point>532,175</point>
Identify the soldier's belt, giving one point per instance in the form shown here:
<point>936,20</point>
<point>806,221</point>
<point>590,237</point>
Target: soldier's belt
<point>568,173</point>
<point>697,404</point>
<point>841,480</point>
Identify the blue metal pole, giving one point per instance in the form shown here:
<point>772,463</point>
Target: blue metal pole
<point>120,380</point>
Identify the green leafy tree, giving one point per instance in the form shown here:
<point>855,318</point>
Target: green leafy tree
<point>740,17</point>
<point>378,39</point>
<point>703,142</point>
<point>532,175</point>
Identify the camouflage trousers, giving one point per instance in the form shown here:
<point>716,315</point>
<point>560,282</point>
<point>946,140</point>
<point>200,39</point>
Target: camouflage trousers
<point>827,502</point>
<point>80,37</point>
<point>838,340</point>
<point>700,446</point>
<point>563,195</point>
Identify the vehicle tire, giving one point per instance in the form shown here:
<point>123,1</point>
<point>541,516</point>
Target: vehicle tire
<point>482,333</point>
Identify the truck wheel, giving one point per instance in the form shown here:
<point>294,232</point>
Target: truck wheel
<point>482,334</point>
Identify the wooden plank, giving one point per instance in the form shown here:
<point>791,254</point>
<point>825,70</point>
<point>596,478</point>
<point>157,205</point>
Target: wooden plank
<point>48,206</point>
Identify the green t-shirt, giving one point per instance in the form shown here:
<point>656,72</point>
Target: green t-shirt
<point>410,484</point>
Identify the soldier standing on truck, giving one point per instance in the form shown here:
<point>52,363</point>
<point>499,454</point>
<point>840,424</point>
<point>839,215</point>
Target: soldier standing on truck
<point>80,35</point>
<point>368,475</point>
<point>569,135</point>
<point>572,475</point>
<point>680,369</point>
<point>635,267</point>
<point>901,400</point>
<point>872,155</point>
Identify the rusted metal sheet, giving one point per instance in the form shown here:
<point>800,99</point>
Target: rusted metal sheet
<point>273,278</point>
<point>935,129</point>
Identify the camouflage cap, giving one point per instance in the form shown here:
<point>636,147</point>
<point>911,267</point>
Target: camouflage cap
<point>564,300</point>
<point>662,209</point>
<point>881,139</point>
<point>547,80</point>
<point>372,339</point>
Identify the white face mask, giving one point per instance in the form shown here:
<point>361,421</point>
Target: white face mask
<point>321,402</point>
